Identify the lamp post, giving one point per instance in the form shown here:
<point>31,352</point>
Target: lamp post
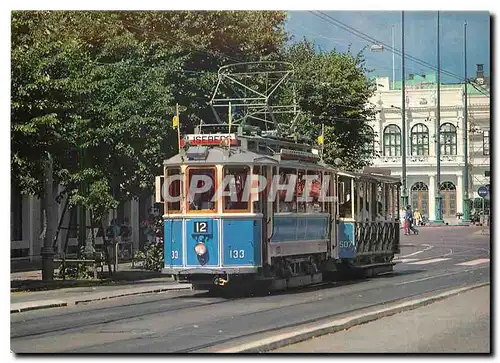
<point>465,191</point>
<point>438,215</point>
<point>404,192</point>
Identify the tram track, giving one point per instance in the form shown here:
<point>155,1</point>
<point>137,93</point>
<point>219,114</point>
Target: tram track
<point>220,311</point>
<point>255,335</point>
<point>177,337</point>
<point>117,310</point>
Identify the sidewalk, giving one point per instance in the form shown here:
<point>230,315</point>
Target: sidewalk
<point>458,324</point>
<point>29,292</point>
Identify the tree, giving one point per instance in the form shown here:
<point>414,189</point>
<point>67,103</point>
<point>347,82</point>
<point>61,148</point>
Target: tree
<point>98,90</point>
<point>332,89</point>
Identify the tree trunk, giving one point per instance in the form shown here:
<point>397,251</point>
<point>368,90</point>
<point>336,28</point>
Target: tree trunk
<point>106,254</point>
<point>54,244</point>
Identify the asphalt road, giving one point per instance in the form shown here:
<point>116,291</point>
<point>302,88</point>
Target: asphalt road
<point>459,324</point>
<point>435,260</point>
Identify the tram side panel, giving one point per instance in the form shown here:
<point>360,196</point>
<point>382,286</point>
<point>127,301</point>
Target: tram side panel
<point>173,242</point>
<point>346,238</point>
<point>241,242</point>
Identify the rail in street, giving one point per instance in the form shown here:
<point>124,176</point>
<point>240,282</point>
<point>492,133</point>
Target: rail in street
<point>433,262</point>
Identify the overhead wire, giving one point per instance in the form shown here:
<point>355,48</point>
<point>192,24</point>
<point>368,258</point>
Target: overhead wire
<point>372,40</point>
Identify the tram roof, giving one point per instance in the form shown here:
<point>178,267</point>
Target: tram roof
<point>217,155</point>
<point>370,177</point>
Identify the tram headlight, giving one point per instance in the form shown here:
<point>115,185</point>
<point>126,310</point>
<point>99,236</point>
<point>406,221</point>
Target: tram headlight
<point>200,249</point>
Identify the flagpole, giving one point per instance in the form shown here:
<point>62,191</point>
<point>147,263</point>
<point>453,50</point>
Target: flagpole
<point>178,126</point>
<point>323,143</point>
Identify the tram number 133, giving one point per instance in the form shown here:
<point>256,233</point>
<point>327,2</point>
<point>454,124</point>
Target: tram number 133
<point>238,254</point>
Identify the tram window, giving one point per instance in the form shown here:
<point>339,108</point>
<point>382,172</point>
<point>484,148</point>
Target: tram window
<point>238,176</point>
<point>301,206</point>
<point>204,200</point>
<point>260,198</point>
<point>287,201</point>
<point>174,190</point>
<point>315,205</point>
<point>345,197</point>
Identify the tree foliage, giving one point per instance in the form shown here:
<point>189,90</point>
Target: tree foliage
<point>332,89</point>
<point>98,91</point>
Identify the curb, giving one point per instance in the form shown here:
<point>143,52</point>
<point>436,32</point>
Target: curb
<point>275,342</point>
<point>160,289</point>
<point>27,306</point>
<point>46,304</point>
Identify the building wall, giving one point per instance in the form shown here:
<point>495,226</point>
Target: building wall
<point>421,106</point>
<point>30,219</point>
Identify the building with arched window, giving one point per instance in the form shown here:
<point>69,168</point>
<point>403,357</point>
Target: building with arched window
<point>421,129</point>
<point>392,140</point>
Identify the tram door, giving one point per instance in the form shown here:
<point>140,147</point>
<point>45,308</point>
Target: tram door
<point>331,208</point>
<point>266,208</point>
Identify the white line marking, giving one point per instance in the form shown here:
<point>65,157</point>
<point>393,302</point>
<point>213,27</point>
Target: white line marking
<point>405,260</point>
<point>437,276</point>
<point>416,253</point>
<point>425,262</point>
<point>474,262</point>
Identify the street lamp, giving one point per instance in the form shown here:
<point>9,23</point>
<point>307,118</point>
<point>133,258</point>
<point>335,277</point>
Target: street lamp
<point>404,192</point>
<point>380,48</point>
<point>439,213</point>
<point>465,178</point>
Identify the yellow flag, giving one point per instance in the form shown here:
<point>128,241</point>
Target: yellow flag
<point>320,139</point>
<point>175,122</point>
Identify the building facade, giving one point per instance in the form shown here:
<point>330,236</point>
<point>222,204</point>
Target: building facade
<point>421,143</point>
<point>27,224</point>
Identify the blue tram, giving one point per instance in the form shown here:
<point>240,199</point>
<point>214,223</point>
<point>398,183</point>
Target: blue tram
<point>243,233</point>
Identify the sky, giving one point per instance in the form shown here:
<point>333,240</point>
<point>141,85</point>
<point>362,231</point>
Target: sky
<point>420,39</point>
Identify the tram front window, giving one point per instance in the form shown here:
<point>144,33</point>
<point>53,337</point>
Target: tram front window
<point>201,184</point>
<point>235,179</point>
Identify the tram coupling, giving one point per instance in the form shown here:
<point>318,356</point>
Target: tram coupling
<point>220,281</point>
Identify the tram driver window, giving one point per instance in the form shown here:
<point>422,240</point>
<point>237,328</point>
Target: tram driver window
<point>345,197</point>
<point>201,201</point>
<point>238,178</point>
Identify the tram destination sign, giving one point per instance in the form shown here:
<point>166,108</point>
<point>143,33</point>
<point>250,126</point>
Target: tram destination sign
<point>208,139</point>
<point>483,192</point>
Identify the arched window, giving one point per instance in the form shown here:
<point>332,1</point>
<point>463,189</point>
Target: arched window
<point>392,141</point>
<point>419,140</point>
<point>449,199</point>
<point>420,198</point>
<point>448,139</point>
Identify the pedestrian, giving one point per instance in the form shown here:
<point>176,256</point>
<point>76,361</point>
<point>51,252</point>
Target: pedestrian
<point>406,218</point>
<point>417,217</point>
<point>411,221</point>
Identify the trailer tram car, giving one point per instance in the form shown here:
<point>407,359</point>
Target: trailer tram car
<point>278,244</point>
